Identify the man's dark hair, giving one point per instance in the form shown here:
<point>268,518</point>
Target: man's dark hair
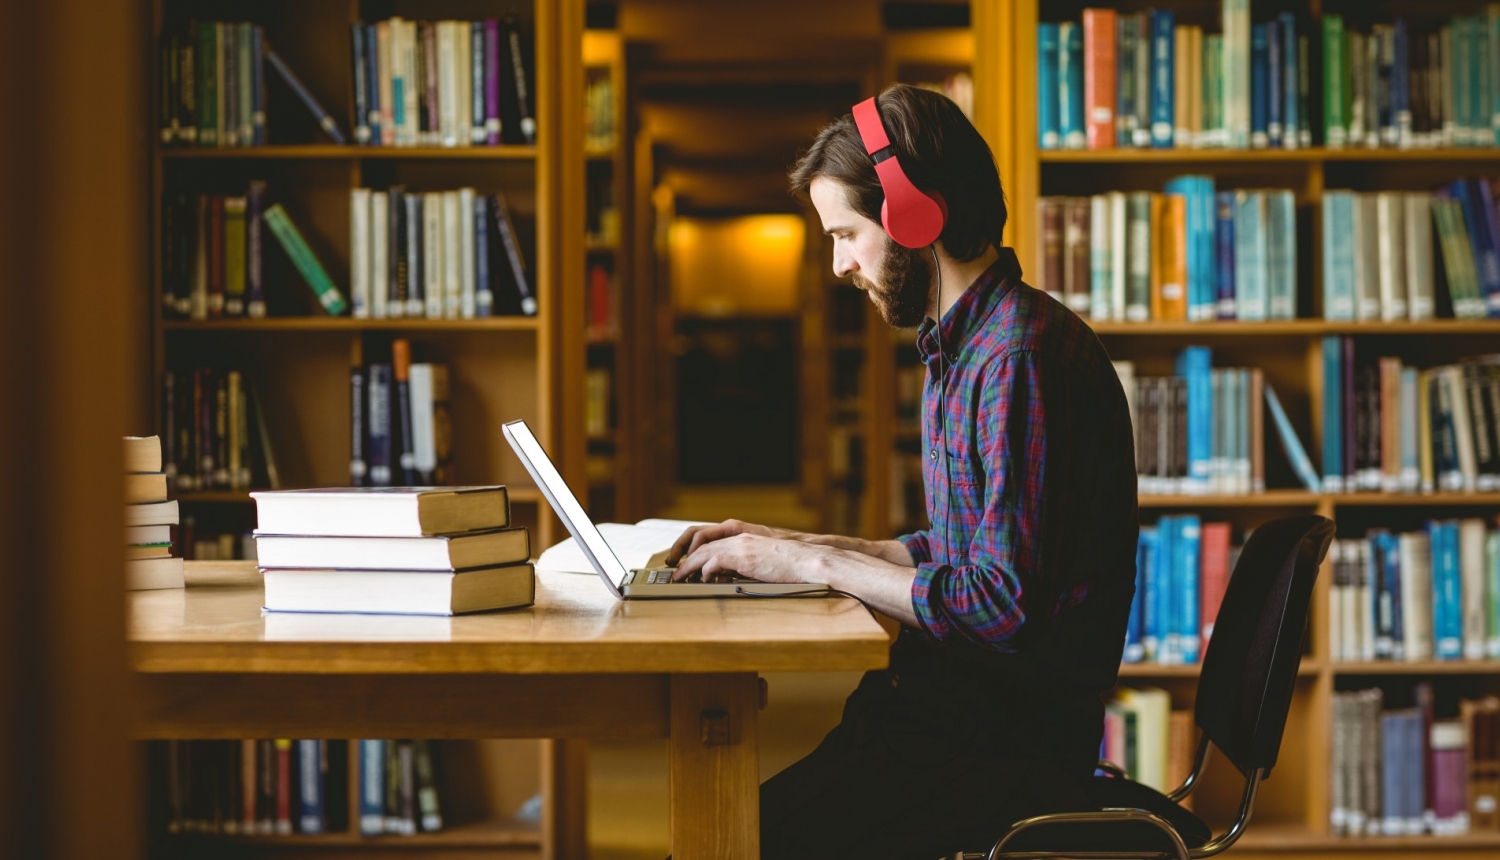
<point>939,149</point>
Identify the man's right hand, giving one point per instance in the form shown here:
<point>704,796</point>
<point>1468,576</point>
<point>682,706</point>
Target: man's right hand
<point>697,536</point>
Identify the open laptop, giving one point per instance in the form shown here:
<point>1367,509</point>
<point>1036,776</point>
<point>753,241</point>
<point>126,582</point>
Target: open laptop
<point>651,582</point>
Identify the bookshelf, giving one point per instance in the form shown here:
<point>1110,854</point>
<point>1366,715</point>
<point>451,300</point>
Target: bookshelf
<point>298,357</point>
<point>1292,814</point>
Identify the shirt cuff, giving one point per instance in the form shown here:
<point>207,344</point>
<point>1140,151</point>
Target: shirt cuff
<point>925,602</point>
<point>916,547</point>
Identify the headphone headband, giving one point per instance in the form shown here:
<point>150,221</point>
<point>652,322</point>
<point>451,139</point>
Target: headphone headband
<point>911,217</point>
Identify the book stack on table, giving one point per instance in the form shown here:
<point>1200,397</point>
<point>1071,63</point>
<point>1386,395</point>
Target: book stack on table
<point>401,550</point>
<point>149,518</point>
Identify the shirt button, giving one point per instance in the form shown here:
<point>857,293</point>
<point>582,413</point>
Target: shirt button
<point>932,453</point>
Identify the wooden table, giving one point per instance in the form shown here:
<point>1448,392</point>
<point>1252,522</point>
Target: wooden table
<point>579,664</point>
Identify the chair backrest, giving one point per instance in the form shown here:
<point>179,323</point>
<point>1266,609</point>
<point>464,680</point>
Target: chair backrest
<point>1250,669</point>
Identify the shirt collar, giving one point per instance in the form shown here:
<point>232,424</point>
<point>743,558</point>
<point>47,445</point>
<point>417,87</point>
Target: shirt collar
<point>968,314</point>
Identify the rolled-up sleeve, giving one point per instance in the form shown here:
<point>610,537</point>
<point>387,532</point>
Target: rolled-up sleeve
<point>917,546</point>
<point>985,600</point>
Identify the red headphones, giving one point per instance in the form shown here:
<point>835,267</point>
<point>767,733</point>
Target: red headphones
<point>911,217</point>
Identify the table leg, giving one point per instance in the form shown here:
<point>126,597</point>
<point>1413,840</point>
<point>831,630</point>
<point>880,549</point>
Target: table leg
<point>715,767</point>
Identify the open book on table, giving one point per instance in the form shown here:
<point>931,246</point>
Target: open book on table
<point>644,544</point>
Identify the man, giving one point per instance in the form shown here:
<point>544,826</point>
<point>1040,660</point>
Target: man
<point>1013,604</point>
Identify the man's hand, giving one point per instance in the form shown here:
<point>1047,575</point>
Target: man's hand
<point>765,557</point>
<point>697,536</point>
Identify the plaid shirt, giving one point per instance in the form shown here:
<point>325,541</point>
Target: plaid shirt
<point>1042,499</point>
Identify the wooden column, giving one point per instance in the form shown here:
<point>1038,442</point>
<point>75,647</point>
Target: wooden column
<point>714,767</point>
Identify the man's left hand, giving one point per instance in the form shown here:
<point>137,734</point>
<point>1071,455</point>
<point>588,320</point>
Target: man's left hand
<point>768,559</point>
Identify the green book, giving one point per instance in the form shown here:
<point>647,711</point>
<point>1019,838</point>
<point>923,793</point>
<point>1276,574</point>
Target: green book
<point>208,91</point>
<point>234,256</point>
<point>1492,34</point>
<point>305,261</point>
<point>1335,120</point>
<point>1213,89</point>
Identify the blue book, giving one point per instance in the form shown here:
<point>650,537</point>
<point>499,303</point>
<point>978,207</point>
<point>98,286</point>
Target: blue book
<point>1447,600</point>
<point>1393,776</point>
<point>1401,85</point>
<point>1281,254</point>
<point>1333,415</point>
<point>1275,109</point>
<point>1291,102</point>
<point>1338,255</point>
<point>1199,291</point>
<point>324,118</point>
<point>1250,256</point>
<point>1195,364</point>
<point>1168,632</point>
<point>1224,269</point>
<point>1259,81</point>
<point>1151,593</point>
<point>1135,651</point>
<point>1493,32</point>
<point>1290,443</point>
<point>1188,549</point>
<point>371,788</point>
<point>1048,62</point>
<point>1390,556</point>
<point>1163,73</point>
<point>1070,84</point>
<point>484,291</point>
<point>1489,226</point>
<point>312,772</point>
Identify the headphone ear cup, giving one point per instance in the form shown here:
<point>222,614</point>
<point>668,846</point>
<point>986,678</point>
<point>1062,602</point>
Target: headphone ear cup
<point>923,223</point>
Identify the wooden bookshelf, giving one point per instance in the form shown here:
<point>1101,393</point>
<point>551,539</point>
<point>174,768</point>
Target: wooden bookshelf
<point>1292,813</point>
<point>502,368</point>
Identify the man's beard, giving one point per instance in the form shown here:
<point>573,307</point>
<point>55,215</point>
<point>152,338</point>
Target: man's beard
<point>904,283</point>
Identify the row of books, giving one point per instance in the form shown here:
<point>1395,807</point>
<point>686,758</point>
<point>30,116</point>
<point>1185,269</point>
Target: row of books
<point>1378,259</point>
<point>1117,79</point>
<point>1388,427</point>
<point>213,86</point>
<point>214,432</point>
<point>1188,254</point>
<point>1152,743</point>
<point>1395,87</point>
<point>400,429</point>
<point>149,517</point>
<point>405,550</point>
<point>439,255</point>
<point>1416,596</point>
<point>1401,772</point>
<point>599,112</point>
<point>1202,430</point>
<point>443,83</point>
<point>1182,569</point>
<point>213,255</point>
<point>256,786</point>
<point>205,545</point>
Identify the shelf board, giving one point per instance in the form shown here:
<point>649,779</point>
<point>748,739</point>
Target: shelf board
<point>1123,155</point>
<point>335,151</point>
<point>1308,668</point>
<point>1267,499</point>
<point>1275,837</point>
<point>1414,500</point>
<point>1424,667</point>
<point>326,323</point>
<point>1302,327</point>
<point>480,834</point>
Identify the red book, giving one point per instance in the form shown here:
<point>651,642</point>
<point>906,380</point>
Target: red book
<point>1099,77</point>
<point>1215,551</point>
<point>283,786</point>
<point>599,301</point>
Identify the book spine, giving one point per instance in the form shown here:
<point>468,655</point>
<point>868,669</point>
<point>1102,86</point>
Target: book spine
<point>371,787</point>
<point>1281,253</point>
<point>361,62</point>
<point>484,289</point>
<point>399,259</point>
<point>1259,84</point>
<point>1333,477</point>
<point>1125,48</point>
<point>229,83</point>
<point>519,60</point>
<point>400,80</point>
<point>1099,77</point>
<point>375,91</point>
<point>283,787</point>
<point>379,416</point>
<point>234,256</point>
<point>512,247</point>
<point>427,793</point>
<point>1134,649</point>
<point>312,772</point>
<point>255,289</point>
<point>1226,303</point>
<point>246,60</point>
<point>1335,124</point>
<point>359,468</point>
<point>1236,65</point>
<point>380,254</point>
<point>325,119</point>
<point>401,372</point>
<point>452,227</point>
<point>1151,605</point>
<point>306,262</point>
<point>1143,84</point>
<point>215,256</point>
<point>1138,259</point>
<point>359,252</point>
<point>464,227</point>
<point>492,82</point>
<point>1275,70</point>
<point>477,65</point>
<point>1070,85</point>
<point>1291,77</point>
<point>206,56</point>
<point>433,77</point>
<point>418,256</point>
<point>1163,49</point>
<point>1189,548</point>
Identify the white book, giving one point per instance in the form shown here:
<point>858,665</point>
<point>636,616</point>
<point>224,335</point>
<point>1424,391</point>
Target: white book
<point>380,276</point>
<point>465,229</point>
<point>1472,593</point>
<point>1492,589</point>
<point>1281,252</point>
<point>385,55</point>
<point>1390,236</point>
<point>1117,249</point>
<point>1417,221</point>
<point>1153,710</point>
<point>423,443</point>
<point>1366,258</point>
<point>410,104</point>
<point>1236,72</point>
<point>432,253</point>
<point>147,574</point>
<point>447,84</point>
<point>152,514</point>
<point>400,592</point>
<point>359,252</point>
<point>1468,465</point>
<point>1100,277</point>
<point>462,48</point>
<point>1416,596</point>
<point>440,552</point>
<point>452,266</point>
<point>1365,597</point>
<point>1250,256</point>
<point>635,545</point>
<point>148,534</point>
<point>381,511</point>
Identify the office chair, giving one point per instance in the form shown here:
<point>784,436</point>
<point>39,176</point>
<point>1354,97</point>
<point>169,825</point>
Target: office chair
<point>1244,691</point>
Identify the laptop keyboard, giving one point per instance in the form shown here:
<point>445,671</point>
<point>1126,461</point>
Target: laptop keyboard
<point>660,576</point>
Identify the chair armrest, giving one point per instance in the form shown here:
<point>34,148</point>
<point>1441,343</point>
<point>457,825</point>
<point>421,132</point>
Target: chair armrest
<point>1106,816</point>
<point>1111,768</point>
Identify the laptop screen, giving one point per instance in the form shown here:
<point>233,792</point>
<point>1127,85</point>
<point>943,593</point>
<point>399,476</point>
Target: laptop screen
<point>565,504</point>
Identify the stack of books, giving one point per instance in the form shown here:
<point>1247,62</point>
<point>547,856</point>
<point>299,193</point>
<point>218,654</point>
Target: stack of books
<point>149,518</point>
<point>401,550</point>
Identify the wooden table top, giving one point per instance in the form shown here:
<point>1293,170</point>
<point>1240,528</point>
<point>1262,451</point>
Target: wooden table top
<point>576,626</point>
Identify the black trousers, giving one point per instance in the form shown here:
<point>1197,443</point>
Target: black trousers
<point>928,760</point>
